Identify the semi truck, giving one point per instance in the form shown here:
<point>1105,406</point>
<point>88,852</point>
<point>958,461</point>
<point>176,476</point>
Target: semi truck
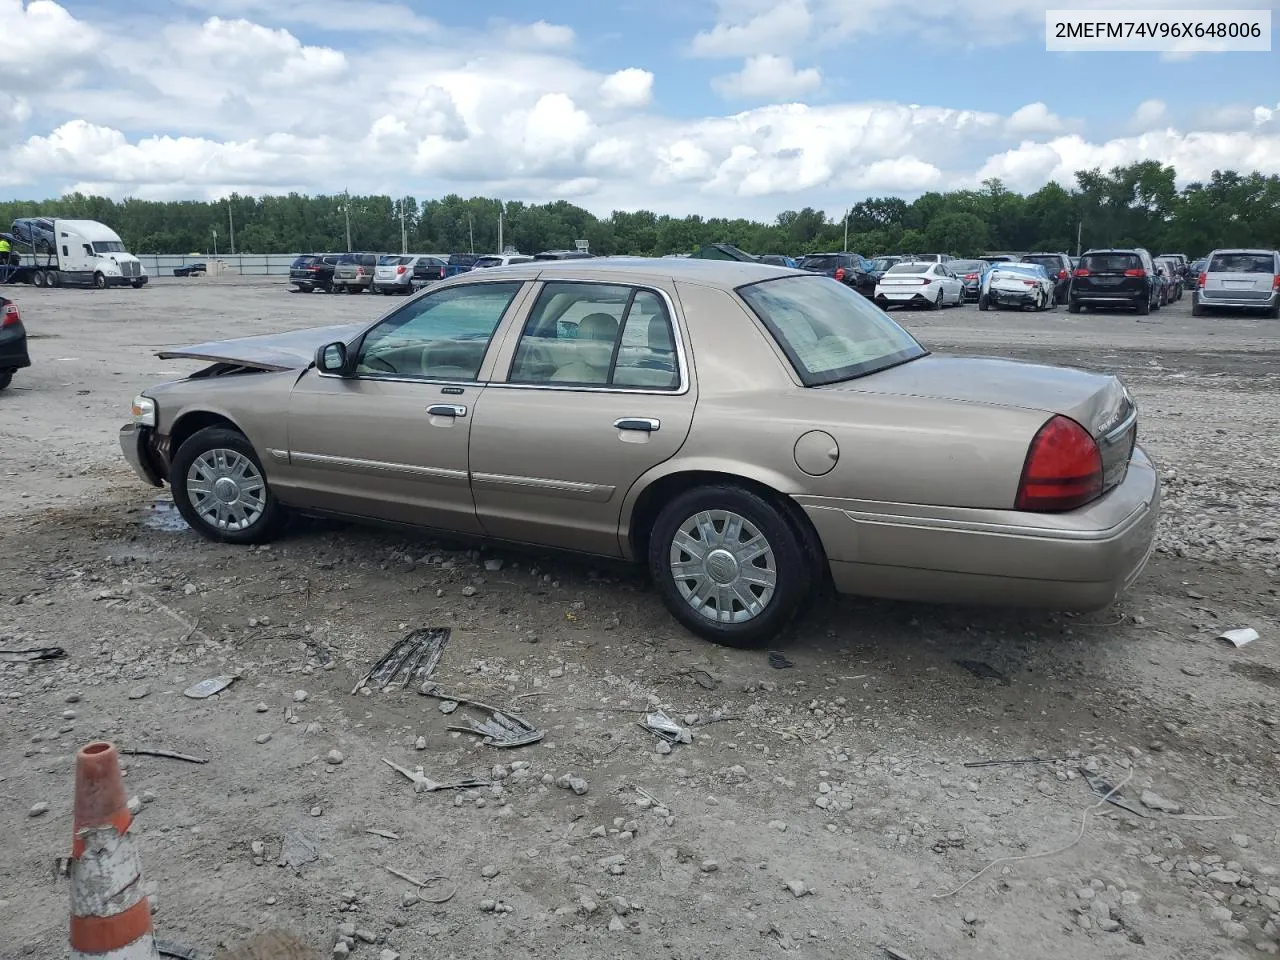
<point>49,252</point>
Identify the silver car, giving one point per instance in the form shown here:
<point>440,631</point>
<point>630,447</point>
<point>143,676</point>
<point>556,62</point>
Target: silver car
<point>1239,279</point>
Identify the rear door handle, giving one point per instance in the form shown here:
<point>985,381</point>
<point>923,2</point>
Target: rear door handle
<point>447,410</point>
<point>647,424</point>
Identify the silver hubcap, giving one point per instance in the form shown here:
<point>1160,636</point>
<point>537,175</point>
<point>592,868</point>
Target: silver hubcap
<point>226,489</point>
<point>723,566</point>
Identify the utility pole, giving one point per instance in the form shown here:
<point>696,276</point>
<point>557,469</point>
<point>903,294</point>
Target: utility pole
<point>346,214</point>
<point>471,232</point>
<point>1079,229</point>
<point>232,223</point>
<point>501,248</point>
<point>845,248</point>
<point>404,237</point>
<point>215,243</point>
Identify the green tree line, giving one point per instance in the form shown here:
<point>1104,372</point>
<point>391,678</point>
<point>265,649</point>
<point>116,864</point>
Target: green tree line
<point>1136,205</point>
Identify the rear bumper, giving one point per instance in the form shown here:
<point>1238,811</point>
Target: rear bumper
<point>1109,299</point>
<point>13,351</point>
<point>1080,560</point>
<point>1011,297</point>
<point>352,281</point>
<point>135,443</point>
<point>1249,303</point>
<point>398,284</point>
<point>902,300</point>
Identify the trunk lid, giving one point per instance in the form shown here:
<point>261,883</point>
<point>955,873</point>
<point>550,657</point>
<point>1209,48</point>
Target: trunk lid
<point>1111,273</point>
<point>1098,402</point>
<point>275,351</point>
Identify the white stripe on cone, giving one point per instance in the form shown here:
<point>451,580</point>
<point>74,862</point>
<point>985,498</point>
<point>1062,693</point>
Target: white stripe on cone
<point>106,879</point>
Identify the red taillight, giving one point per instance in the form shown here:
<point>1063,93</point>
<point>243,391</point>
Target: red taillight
<point>1275,282</point>
<point>1031,283</point>
<point>1063,468</point>
<point>1062,274</point>
<point>1135,272</point>
<point>400,270</point>
<point>442,273</point>
<point>10,316</point>
<point>1081,272</point>
<point>971,276</point>
<point>1202,280</point>
<point>839,273</point>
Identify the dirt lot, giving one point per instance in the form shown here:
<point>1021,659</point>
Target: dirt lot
<point>826,812</point>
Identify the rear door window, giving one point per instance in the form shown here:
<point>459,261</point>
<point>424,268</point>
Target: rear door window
<point>820,263</point>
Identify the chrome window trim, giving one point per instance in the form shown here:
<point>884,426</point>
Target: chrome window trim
<point>677,330</point>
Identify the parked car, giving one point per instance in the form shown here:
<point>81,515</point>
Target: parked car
<point>1058,266</point>
<point>1170,272</point>
<point>564,255</point>
<point>969,273</point>
<point>312,272</point>
<point>850,269</point>
<point>1018,285</point>
<point>932,257</point>
<point>1239,280</point>
<point>1195,269</point>
<point>998,258</point>
<point>193,270</point>
<point>13,342</point>
<point>1183,264</point>
<point>1115,278</point>
<point>469,409</point>
<point>878,266</point>
<point>919,284</point>
<point>407,273</point>
<point>500,260</point>
<point>779,260</point>
<point>353,273</point>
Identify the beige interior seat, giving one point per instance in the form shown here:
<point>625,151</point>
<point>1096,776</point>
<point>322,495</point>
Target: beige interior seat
<point>594,350</point>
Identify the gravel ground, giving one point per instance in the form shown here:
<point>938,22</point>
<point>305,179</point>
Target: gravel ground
<point>822,810</point>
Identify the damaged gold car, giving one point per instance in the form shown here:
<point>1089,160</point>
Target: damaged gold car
<point>747,431</point>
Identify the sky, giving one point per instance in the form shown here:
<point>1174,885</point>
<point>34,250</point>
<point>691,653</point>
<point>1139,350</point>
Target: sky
<point>715,107</point>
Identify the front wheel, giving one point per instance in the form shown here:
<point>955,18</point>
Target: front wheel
<point>136,284</point>
<point>983,302</point>
<point>730,565</point>
<point>100,281</point>
<point>220,488</point>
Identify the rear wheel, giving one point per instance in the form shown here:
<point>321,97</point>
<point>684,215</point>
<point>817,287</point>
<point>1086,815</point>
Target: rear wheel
<point>937,304</point>
<point>983,302</point>
<point>1073,306</point>
<point>1196,309</point>
<point>730,565</point>
<point>1144,307</point>
<point>6,378</point>
<point>220,488</point>
<point>38,278</point>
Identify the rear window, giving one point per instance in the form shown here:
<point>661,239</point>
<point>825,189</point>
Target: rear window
<point>1049,263</point>
<point>393,261</point>
<point>828,332</point>
<point>488,262</point>
<point>462,259</point>
<point>815,262</point>
<point>302,261</point>
<point>1242,263</point>
<point>910,268</point>
<point>1110,262</point>
<point>966,266</point>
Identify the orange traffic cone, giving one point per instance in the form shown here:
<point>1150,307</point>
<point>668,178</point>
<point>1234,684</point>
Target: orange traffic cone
<point>110,916</point>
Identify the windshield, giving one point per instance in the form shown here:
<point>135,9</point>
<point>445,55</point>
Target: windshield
<point>882,264</point>
<point>1049,263</point>
<point>108,246</point>
<point>1110,262</point>
<point>1027,268</point>
<point>828,332</point>
<point>967,266</point>
<point>910,268</point>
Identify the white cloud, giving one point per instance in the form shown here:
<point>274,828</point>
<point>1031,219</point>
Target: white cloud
<point>631,87</point>
<point>276,56</point>
<point>751,27</point>
<point>902,174</point>
<point>1148,114</point>
<point>338,16</point>
<point>1034,118</point>
<point>766,77</point>
<point>539,34</point>
<point>41,38</point>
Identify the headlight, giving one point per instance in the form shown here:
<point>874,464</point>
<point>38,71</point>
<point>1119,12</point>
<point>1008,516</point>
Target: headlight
<point>144,411</point>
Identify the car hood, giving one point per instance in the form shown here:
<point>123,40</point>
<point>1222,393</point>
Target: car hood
<point>1097,401</point>
<point>275,351</point>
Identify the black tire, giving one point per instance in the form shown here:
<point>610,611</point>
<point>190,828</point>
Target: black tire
<point>983,302</point>
<point>1273,313</point>
<point>795,564</point>
<point>1073,306</point>
<point>1196,309</point>
<point>136,284</point>
<point>38,278</point>
<point>269,522</point>
<point>937,304</point>
<point>100,281</point>
<point>55,278</point>
<point>6,378</point>
<point>1144,307</point>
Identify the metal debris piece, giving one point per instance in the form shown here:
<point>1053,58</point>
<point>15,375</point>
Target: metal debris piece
<point>167,948</point>
<point>412,658</point>
<point>207,688</point>
<point>424,784</point>
<point>779,662</point>
<point>998,763</point>
<point>1239,636</point>
<point>170,754</point>
<point>502,730</point>
<point>1102,788</point>
<point>703,679</point>
<point>33,654</point>
<point>983,671</point>
<point>662,726</point>
<point>893,954</point>
<point>298,850</point>
<point>385,834</point>
<point>423,885</point>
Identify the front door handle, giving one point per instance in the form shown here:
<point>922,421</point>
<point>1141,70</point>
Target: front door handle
<point>447,410</point>
<point>647,424</point>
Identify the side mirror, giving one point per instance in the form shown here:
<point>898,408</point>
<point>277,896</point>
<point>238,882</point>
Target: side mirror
<point>332,358</point>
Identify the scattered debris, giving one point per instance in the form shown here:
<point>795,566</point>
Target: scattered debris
<point>779,662</point>
<point>1239,637</point>
<point>448,706</point>
<point>424,784</point>
<point>569,782</point>
<point>412,658</point>
<point>997,763</point>
<point>167,948</point>
<point>893,954</point>
<point>424,884</point>
<point>1153,801</point>
<point>500,729</point>
<point>334,757</point>
<point>33,654</point>
<point>983,671</point>
<point>1102,788</point>
<point>385,834</point>
<point>38,810</point>
<point>207,688</point>
<point>298,850</point>
<point>661,725</point>
<point>171,754</point>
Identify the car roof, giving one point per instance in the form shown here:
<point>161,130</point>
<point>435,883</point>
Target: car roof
<point>725,274</point>
<point>1258,250</point>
